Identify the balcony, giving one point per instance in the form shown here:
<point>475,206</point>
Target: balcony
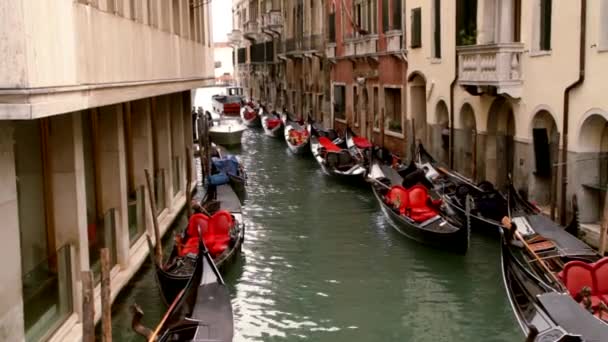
<point>272,20</point>
<point>495,65</point>
<point>250,29</point>
<point>349,48</point>
<point>394,42</point>
<point>330,50</point>
<point>235,37</point>
<point>366,46</point>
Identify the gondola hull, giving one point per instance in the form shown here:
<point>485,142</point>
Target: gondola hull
<point>439,234</point>
<point>356,171</point>
<point>291,126</point>
<point>251,121</point>
<point>274,132</point>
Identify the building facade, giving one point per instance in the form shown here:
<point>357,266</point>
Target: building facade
<point>518,84</point>
<point>368,70</point>
<point>92,93</point>
<point>279,54</point>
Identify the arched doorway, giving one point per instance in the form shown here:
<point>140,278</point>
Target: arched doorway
<point>441,133</point>
<point>500,146</point>
<point>465,142</point>
<point>592,167</point>
<point>545,141</point>
<point>418,107</point>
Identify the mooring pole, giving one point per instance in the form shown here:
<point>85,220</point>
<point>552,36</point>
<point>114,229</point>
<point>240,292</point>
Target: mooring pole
<point>106,299</point>
<point>88,307</point>
<point>188,182</point>
<point>158,251</point>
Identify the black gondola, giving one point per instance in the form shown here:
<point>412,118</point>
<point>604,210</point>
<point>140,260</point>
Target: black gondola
<point>173,276</point>
<point>362,146</point>
<point>296,134</point>
<point>411,214</point>
<point>202,311</point>
<point>332,154</point>
<point>545,271</point>
<point>231,166</point>
<point>487,205</point>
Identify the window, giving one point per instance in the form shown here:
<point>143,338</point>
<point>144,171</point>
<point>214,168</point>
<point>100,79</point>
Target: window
<point>385,23</point>
<point>339,102</point>
<point>416,38</point>
<point>176,18</point>
<point>397,15</point>
<point>332,27</point>
<point>466,22</point>
<point>545,25</point>
<point>392,109</point>
<point>375,108</point>
<point>437,29</point>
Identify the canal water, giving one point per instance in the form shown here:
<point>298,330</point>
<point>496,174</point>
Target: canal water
<point>320,263</point>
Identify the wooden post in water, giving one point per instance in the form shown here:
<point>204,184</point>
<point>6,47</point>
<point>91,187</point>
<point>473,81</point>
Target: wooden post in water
<point>604,227</point>
<point>106,299</point>
<point>88,307</point>
<point>158,251</point>
<point>188,182</point>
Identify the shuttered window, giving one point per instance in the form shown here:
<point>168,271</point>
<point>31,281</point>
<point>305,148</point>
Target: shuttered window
<point>397,14</point>
<point>437,30</point>
<point>242,56</point>
<point>416,34</point>
<point>332,27</point>
<point>269,51</point>
<point>545,25</point>
<point>385,23</point>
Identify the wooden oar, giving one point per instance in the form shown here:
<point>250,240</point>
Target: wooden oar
<point>166,316</point>
<point>537,258</point>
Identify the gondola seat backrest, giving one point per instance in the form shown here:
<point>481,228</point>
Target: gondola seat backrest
<point>601,278</point>
<point>196,221</point>
<point>361,142</point>
<point>576,275</point>
<point>328,145</point>
<point>272,123</point>
<point>398,197</point>
<point>219,227</point>
<point>420,211</point>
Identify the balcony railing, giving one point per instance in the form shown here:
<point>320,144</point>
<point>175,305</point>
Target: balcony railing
<point>330,50</point>
<point>349,47</point>
<point>235,36</point>
<point>366,46</point>
<point>495,65</point>
<point>250,28</point>
<point>272,20</point>
<point>394,42</point>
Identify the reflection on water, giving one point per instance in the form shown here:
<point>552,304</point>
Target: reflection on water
<point>320,263</point>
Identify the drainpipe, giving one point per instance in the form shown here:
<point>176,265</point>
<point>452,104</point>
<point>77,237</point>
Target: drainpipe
<point>452,88</point>
<point>577,83</point>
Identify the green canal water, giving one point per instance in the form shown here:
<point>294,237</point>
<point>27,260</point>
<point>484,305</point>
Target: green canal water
<point>320,263</point>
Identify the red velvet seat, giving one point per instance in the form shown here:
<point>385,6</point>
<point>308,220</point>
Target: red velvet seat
<point>298,137</point>
<point>419,209</point>
<point>578,274</point>
<point>398,197</point>
<point>192,233</point>
<point>361,142</point>
<point>220,225</point>
<point>329,146</point>
<point>249,114</point>
<point>273,123</point>
<point>600,273</point>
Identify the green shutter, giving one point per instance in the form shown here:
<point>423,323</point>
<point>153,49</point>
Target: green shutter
<point>416,35</point>
<point>385,23</point>
<point>545,24</point>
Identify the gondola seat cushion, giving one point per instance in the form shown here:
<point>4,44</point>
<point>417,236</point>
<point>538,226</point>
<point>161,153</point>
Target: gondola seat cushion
<point>328,145</point>
<point>249,115</point>
<point>220,224</point>
<point>398,197</point>
<point>273,123</point>
<point>361,142</point>
<point>420,211</point>
<point>578,274</point>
